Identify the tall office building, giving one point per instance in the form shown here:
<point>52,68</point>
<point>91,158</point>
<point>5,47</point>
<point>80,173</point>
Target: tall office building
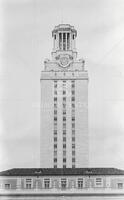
<point>64,104</point>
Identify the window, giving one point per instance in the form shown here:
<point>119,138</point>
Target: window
<point>55,118</point>
<point>28,180</point>
<point>73,153</point>
<point>55,105</point>
<point>55,132</point>
<point>28,185</point>
<point>64,41</point>
<point>64,105</point>
<point>55,159</point>
<point>55,112</point>
<point>73,159</point>
<point>47,183</point>
<point>64,125</point>
<point>73,165</point>
<point>64,166</point>
<point>64,98</point>
<point>60,41</point>
<point>73,139</point>
<point>98,181</point>
<point>64,132</point>
<point>7,186</point>
<point>73,118</point>
<point>55,37</point>
<point>64,145</point>
<point>73,125</point>
<point>73,146</point>
<point>64,139</point>
<point>55,139</point>
<point>73,85</point>
<point>64,153</point>
<point>80,183</point>
<point>64,92</point>
<point>55,98</point>
<point>55,124</point>
<point>64,160</point>
<point>73,98</point>
<point>73,92</point>
<point>73,105</point>
<point>63,183</point>
<point>120,185</point>
<point>55,85</point>
<point>55,92</point>
<point>64,112</point>
<point>55,153</point>
<point>68,41</point>
<point>55,146</point>
<point>55,166</point>
<point>64,118</point>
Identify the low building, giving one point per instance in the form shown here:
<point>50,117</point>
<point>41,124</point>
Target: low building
<point>65,183</point>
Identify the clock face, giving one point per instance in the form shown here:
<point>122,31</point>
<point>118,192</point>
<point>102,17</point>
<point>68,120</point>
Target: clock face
<point>64,61</point>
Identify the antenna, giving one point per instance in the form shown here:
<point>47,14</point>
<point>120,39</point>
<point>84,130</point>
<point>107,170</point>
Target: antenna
<point>61,16</point>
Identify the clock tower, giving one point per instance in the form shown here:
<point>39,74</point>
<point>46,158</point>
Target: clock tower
<point>64,48</point>
<point>64,104</point>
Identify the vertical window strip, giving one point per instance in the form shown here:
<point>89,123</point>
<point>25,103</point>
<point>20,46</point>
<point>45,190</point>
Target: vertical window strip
<point>73,121</point>
<point>64,122</point>
<point>55,126</point>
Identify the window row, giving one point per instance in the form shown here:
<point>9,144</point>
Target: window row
<point>64,183</point>
<point>64,144</point>
<point>64,93</point>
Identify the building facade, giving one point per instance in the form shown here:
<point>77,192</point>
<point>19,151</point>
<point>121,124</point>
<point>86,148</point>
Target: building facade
<point>64,104</point>
<point>51,183</point>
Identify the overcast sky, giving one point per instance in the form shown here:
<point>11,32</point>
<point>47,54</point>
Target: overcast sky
<point>25,41</point>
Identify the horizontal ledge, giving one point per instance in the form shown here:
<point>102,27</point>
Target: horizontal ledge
<point>62,194</point>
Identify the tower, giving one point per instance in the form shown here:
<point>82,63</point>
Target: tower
<point>64,104</point>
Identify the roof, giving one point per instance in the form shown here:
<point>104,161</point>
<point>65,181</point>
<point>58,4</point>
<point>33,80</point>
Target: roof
<point>64,27</point>
<point>61,171</point>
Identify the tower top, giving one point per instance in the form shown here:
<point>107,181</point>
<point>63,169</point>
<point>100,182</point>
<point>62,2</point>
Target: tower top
<point>64,53</point>
<point>64,40</point>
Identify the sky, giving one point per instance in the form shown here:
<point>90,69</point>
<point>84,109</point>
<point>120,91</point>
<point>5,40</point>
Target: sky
<point>26,41</point>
